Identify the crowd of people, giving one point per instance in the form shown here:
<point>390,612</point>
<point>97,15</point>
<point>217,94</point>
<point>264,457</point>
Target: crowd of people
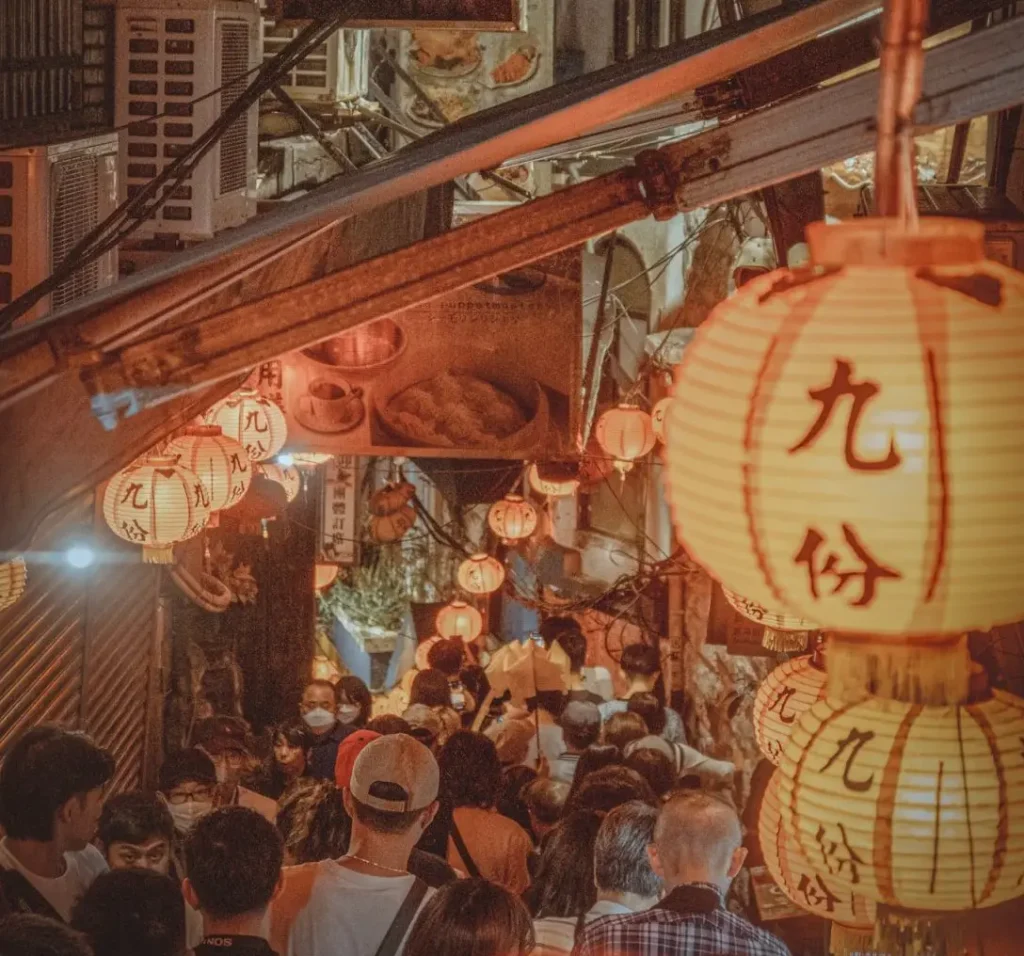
<point>566,823</point>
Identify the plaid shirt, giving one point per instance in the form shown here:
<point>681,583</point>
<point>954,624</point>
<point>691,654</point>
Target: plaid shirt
<point>690,921</point>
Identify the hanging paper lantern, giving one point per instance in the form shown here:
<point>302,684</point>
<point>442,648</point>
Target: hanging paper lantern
<point>13,579</point>
<point>626,433</point>
<point>512,519</point>
<point>157,503</point>
<point>392,527</point>
<point>324,575</point>
<point>459,619</point>
<point>392,498</point>
<point>481,574</point>
<point>220,461</point>
<point>782,632</point>
<point>658,414</point>
<point>554,482</point>
<point>804,883</point>
<point>838,438</point>
<point>289,478</point>
<point>918,807</point>
<point>255,421</point>
<point>784,696</point>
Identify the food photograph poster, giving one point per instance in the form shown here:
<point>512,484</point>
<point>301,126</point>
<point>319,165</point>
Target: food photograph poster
<point>480,373</point>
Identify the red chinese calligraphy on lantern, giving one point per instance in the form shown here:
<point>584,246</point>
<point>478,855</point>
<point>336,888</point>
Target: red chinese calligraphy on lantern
<point>254,421</point>
<point>837,440</point>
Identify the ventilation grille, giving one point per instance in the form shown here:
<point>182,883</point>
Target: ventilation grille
<point>311,75</point>
<point>76,200</point>
<point>234,146</point>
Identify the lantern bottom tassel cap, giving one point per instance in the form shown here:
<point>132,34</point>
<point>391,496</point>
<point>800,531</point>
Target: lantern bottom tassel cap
<point>160,554</point>
<point>849,941</point>
<point>909,933</point>
<point>785,642</point>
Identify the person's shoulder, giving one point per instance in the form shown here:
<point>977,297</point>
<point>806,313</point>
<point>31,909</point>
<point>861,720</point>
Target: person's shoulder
<point>763,943</point>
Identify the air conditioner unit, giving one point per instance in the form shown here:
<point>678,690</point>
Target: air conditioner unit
<point>170,53</point>
<point>51,197</point>
<point>336,72</point>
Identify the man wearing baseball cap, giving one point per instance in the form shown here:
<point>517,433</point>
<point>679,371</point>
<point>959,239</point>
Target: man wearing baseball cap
<point>364,903</point>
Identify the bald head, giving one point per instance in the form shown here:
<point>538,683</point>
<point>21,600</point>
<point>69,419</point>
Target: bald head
<point>698,840</point>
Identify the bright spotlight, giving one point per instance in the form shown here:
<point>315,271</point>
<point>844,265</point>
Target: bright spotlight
<point>286,461</point>
<point>80,556</point>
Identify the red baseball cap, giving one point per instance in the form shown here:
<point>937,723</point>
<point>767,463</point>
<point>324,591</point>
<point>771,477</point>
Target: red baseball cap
<point>350,748</point>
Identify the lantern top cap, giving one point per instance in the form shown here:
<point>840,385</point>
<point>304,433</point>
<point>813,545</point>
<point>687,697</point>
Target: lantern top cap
<point>888,242</point>
<point>160,461</point>
<point>514,498</point>
<point>204,431</point>
<point>457,603</point>
<point>479,556</point>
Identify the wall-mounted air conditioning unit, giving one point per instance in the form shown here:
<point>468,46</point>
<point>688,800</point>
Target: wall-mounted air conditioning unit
<point>50,198</point>
<point>336,72</point>
<point>170,54</point>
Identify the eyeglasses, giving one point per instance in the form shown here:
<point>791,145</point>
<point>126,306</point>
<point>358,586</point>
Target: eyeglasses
<point>199,795</point>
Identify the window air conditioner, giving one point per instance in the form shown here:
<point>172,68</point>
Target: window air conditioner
<point>336,72</point>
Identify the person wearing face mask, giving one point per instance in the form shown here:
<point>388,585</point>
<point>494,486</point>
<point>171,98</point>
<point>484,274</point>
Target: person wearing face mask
<point>227,742</point>
<point>319,709</point>
<point>187,784</point>
<point>354,702</point>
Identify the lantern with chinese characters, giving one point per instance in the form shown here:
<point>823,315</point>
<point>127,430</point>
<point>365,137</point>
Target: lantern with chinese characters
<point>838,438</point>
<point>481,574</point>
<point>658,414</point>
<point>784,696</point>
<point>626,434</point>
<point>460,619</point>
<point>917,807</point>
<point>782,632</point>
<point>324,575</point>
<point>156,502</point>
<point>13,579</point>
<point>809,888</point>
<point>553,481</point>
<point>512,519</point>
<point>220,461</point>
<point>289,478</point>
<point>255,421</point>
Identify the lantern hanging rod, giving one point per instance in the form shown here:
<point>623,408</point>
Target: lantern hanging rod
<point>980,73</point>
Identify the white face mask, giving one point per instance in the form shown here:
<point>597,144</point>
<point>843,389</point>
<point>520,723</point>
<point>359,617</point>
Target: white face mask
<point>348,713</point>
<point>187,815</point>
<point>319,718</point>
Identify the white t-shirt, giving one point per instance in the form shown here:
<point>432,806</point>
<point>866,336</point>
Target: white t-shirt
<point>552,745</point>
<point>556,935</point>
<point>326,909</point>
<point>62,893</point>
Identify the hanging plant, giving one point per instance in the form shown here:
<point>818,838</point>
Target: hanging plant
<point>373,596</point>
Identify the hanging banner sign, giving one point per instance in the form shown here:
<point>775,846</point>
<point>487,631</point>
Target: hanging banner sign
<point>338,514</point>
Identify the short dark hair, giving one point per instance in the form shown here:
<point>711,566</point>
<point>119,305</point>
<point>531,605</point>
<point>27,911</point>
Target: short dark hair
<point>470,770</point>
<point>550,700</point>
<point>578,729</point>
<point>621,863</point>
<point>385,821</point>
<point>295,732</point>
<point>640,660</point>
<point>320,682</point>
<point>233,858</point>
<point>387,724</point>
<point>610,788</point>
<point>471,916</point>
<point>28,934</point>
<point>649,708</point>
<point>655,767</point>
<point>564,882</point>
<point>447,656</point>
<point>42,771</point>
<point>572,641</point>
<point>127,912</point>
<point>357,692</point>
<point>134,818</point>
<point>623,728</point>
<point>184,765</point>
<point>430,687</point>
<point>510,802</point>
<point>554,628</point>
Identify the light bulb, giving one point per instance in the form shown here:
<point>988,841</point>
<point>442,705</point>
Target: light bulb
<point>80,556</point>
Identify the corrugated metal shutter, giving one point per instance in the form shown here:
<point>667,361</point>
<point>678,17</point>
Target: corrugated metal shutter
<point>78,650</point>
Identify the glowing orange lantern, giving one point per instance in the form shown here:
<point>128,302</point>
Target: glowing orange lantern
<point>626,433</point>
<point>838,437</point>
<point>784,696</point>
<point>13,580</point>
<point>324,575</point>
<point>460,619</point>
<point>289,478</point>
<point>810,889</point>
<point>156,502</point>
<point>658,414</point>
<point>481,574</point>
<point>549,484</point>
<point>220,461</point>
<point>512,519</point>
<point>253,420</point>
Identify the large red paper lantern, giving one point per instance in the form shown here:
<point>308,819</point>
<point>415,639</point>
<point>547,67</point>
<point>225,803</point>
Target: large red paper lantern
<point>626,434</point>
<point>512,519</point>
<point>220,461</point>
<point>156,502</point>
<point>255,421</point>
<point>13,580</point>
<point>839,441</point>
<point>784,696</point>
<point>481,574</point>
<point>459,619</point>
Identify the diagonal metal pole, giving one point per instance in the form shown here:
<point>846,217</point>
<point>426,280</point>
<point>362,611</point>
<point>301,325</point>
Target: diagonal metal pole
<point>311,126</point>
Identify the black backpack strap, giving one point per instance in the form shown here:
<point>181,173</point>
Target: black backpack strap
<point>403,919</point>
<point>460,845</point>
<point>18,895</point>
